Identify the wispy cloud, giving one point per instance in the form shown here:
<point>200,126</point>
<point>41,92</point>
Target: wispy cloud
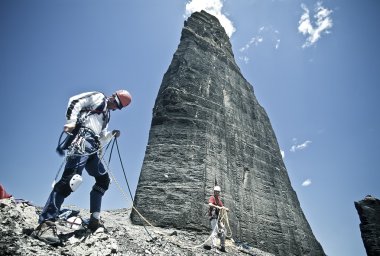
<point>323,22</point>
<point>306,183</point>
<point>256,40</point>
<point>213,7</point>
<point>302,146</point>
<point>267,34</point>
<point>244,58</point>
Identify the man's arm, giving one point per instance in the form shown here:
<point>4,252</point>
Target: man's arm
<point>76,104</point>
<point>218,207</point>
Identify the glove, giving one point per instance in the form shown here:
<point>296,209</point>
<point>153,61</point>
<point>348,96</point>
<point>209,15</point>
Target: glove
<point>69,127</point>
<point>116,133</point>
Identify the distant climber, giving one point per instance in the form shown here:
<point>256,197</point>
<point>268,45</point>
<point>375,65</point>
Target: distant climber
<point>215,209</point>
<point>87,117</point>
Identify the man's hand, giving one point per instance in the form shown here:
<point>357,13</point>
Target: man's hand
<point>213,205</point>
<point>116,133</point>
<point>69,127</point>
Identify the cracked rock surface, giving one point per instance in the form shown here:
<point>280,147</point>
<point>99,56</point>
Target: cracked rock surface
<point>369,214</point>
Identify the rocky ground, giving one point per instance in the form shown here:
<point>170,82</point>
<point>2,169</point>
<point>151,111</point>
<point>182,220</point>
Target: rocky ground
<point>120,236</point>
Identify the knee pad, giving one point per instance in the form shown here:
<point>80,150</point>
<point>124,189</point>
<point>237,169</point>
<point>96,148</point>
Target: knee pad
<point>75,182</point>
<point>102,183</point>
<point>68,184</point>
<point>62,187</point>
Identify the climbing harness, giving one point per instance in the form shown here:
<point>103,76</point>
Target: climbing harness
<point>71,150</point>
<point>75,143</point>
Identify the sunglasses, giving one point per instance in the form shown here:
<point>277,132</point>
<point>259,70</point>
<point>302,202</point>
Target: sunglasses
<point>117,100</point>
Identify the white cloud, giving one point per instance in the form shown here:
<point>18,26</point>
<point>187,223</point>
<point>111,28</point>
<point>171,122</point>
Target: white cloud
<point>245,59</point>
<point>323,22</point>
<point>254,40</point>
<point>213,7</point>
<point>302,146</point>
<point>267,34</point>
<point>277,44</point>
<point>282,153</point>
<point>306,183</point>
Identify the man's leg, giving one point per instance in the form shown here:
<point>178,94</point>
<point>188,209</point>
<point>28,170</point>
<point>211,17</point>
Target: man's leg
<point>62,188</point>
<point>222,236</point>
<point>214,233</point>
<point>52,207</point>
<point>96,169</point>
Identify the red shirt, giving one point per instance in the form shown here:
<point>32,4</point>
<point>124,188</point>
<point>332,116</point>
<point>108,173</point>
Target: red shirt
<point>215,201</point>
<point>213,212</point>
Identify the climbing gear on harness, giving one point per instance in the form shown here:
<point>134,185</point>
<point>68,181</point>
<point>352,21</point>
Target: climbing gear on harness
<point>75,182</point>
<point>78,144</point>
<point>62,146</point>
<point>123,98</point>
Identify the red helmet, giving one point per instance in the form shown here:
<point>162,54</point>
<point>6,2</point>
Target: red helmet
<point>123,98</point>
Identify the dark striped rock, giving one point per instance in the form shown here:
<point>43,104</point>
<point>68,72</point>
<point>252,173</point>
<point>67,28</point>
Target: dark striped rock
<point>369,214</point>
<point>207,125</point>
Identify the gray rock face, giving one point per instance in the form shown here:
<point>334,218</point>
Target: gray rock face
<point>369,214</point>
<point>207,125</point>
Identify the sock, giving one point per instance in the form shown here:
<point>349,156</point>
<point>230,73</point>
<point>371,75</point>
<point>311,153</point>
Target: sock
<point>95,215</point>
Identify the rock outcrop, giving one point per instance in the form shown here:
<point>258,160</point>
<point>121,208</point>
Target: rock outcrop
<point>208,126</point>
<point>369,214</point>
<point>120,237</point>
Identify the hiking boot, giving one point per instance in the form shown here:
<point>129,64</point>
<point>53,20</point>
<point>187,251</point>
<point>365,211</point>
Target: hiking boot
<point>93,224</point>
<point>47,232</point>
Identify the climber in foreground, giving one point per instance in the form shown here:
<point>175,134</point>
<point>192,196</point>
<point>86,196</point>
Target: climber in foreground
<point>215,212</point>
<point>87,118</point>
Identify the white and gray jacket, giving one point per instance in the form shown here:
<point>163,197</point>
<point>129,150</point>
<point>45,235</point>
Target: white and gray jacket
<point>89,109</point>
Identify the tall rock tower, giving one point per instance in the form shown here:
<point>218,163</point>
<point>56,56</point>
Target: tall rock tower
<point>207,125</point>
<point>369,214</point>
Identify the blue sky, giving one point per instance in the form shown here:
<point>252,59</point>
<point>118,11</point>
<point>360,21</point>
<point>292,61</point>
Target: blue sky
<point>313,65</point>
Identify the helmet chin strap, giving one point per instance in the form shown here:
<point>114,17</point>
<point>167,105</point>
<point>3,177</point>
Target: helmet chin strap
<point>118,103</point>
<point>113,100</point>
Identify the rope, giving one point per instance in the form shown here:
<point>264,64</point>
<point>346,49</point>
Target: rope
<point>122,167</point>
<point>125,176</point>
<point>221,216</point>
<point>225,217</point>
<point>133,207</point>
<point>59,170</point>
<point>108,169</point>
